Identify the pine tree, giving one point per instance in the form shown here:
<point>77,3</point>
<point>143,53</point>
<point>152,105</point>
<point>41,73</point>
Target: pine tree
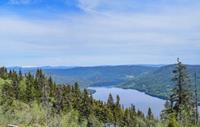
<point>196,101</point>
<point>39,84</point>
<point>29,88</point>
<point>110,106</point>
<point>3,73</point>
<point>117,114</point>
<point>85,106</point>
<point>20,75</point>
<point>118,102</point>
<point>167,112</point>
<point>110,102</point>
<point>150,118</point>
<point>58,100</point>
<point>76,96</point>
<point>150,114</point>
<point>15,84</point>
<point>58,104</point>
<point>181,100</point>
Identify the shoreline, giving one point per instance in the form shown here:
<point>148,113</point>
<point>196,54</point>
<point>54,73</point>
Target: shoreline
<point>94,91</point>
<point>152,95</point>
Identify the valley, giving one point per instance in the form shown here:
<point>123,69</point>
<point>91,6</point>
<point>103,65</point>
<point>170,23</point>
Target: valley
<point>155,80</point>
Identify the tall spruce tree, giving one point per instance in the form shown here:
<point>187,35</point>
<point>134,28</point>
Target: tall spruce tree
<point>150,114</point>
<point>29,87</point>
<point>196,100</point>
<point>110,101</point>
<point>181,99</point>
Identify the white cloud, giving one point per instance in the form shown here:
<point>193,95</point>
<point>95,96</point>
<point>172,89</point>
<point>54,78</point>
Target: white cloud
<point>89,4</point>
<point>102,38</point>
<point>19,2</point>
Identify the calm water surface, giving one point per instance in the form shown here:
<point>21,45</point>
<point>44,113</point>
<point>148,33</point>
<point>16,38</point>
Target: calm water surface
<point>141,100</point>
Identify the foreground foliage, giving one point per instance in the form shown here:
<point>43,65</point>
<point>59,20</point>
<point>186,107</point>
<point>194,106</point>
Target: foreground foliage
<point>37,101</point>
<point>28,100</point>
<point>181,108</point>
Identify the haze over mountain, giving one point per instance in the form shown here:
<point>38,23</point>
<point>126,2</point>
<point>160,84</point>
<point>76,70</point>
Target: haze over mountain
<point>80,39</point>
<point>97,32</point>
<point>92,76</point>
<point>152,79</point>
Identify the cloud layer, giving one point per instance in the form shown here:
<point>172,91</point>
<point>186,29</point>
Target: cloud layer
<point>114,32</point>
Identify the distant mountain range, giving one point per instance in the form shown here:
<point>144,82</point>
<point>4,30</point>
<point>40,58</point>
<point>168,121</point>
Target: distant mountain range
<point>92,76</point>
<point>152,79</point>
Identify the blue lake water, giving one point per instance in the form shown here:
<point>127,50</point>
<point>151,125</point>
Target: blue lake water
<point>141,100</point>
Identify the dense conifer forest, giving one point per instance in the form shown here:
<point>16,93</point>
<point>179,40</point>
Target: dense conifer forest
<point>36,100</point>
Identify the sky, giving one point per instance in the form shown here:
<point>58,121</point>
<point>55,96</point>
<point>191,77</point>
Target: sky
<point>98,32</point>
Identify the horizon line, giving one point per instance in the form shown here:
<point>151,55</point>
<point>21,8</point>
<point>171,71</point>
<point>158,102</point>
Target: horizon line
<point>106,65</point>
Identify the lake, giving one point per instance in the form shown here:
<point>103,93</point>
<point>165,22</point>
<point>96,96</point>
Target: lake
<point>141,100</point>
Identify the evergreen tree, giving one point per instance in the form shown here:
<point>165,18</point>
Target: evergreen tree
<point>20,75</point>
<point>50,104</point>
<point>76,96</point>
<point>58,100</point>
<point>110,105</point>
<point>150,119</point>
<point>150,114</point>
<point>29,88</point>
<point>39,84</point>
<point>110,102</point>
<point>118,102</point>
<point>117,114</point>
<point>3,73</point>
<point>181,100</point>
<point>196,101</point>
<point>85,106</point>
<point>15,84</point>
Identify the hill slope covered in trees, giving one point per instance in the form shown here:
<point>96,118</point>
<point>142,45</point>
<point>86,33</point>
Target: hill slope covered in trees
<point>154,80</point>
<point>159,82</point>
<point>36,101</point>
<point>92,76</point>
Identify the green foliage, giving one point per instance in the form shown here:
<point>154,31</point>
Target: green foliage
<point>36,101</point>
<point>28,100</point>
<point>158,81</point>
<point>92,76</point>
<point>172,121</point>
<point>180,108</point>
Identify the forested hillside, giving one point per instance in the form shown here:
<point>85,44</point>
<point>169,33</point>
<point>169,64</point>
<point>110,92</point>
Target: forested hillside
<point>36,101</point>
<point>92,76</point>
<point>159,83</point>
<point>154,80</point>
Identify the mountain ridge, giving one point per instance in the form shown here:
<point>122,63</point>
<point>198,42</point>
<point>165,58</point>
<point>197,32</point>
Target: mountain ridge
<point>91,76</point>
<point>154,80</point>
<point>158,83</point>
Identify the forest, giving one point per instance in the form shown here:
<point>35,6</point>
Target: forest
<point>28,100</point>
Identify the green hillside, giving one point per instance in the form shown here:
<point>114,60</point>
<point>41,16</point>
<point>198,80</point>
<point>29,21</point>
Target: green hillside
<point>158,82</point>
<point>93,76</point>
<point>36,101</point>
<point>154,80</point>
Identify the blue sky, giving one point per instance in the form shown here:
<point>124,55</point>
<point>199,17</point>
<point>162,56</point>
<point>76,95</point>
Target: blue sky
<point>98,32</point>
